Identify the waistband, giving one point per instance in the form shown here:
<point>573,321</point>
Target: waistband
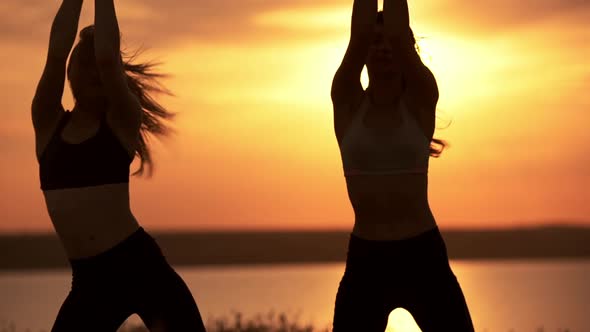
<point>137,249</point>
<point>424,248</point>
<point>400,171</point>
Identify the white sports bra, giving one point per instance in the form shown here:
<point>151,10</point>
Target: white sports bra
<point>405,150</point>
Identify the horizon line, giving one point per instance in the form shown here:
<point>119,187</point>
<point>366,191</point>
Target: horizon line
<point>487,228</point>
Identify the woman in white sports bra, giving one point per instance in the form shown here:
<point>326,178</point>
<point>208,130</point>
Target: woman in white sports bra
<point>396,254</point>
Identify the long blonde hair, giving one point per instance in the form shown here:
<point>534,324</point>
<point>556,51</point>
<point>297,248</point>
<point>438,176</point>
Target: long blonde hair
<point>143,82</point>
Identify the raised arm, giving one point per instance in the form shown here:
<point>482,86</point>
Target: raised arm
<point>46,106</point>
<point>346,86</point>
<point>421,82</point>
<point>396,17</point>
<point>125,112</point>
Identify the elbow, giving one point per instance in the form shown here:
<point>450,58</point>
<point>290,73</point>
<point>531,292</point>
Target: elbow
<point>39,103</point>
<point>333,95</point>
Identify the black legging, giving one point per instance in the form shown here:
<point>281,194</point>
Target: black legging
<point>413,274</point>
<point>131,278</point>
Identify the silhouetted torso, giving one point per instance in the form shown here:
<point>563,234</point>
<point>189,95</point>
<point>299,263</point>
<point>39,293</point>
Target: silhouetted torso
<point>96,160</point>
<point>387,184</point>
<point>85,182</point>
<point>390,207</point>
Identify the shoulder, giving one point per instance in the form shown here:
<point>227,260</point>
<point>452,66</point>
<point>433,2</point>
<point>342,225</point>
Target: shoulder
<point>42,140</point>
<point>345,112</point>
<point>424,117</point>
<point>422,87</point>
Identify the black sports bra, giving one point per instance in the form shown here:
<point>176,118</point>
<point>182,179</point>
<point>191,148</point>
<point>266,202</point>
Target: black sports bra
<point>98,160</point>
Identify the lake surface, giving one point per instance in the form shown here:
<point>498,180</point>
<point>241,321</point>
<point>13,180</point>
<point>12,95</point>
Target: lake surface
<point>502,295</point>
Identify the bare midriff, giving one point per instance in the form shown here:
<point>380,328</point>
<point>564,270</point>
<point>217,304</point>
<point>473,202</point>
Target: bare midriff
<point>91,220</point>
<point>390,207</point>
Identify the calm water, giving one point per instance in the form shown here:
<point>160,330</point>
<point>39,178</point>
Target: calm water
<point>523,296</point>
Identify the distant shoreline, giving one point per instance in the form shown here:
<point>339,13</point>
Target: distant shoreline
<point>43,251</point>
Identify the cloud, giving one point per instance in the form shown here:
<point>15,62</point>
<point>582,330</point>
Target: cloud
<point>157,22</point>
<point>492,17</point>
<point>162,23</point>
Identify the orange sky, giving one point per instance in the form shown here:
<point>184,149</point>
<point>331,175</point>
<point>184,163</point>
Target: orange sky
<point>255,147</point>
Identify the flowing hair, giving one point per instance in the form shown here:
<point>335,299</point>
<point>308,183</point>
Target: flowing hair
<point>437,145</point>
<point>143,82</point>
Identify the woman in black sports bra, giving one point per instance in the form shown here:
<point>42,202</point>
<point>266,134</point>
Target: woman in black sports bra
<point>84,164</point>
<point>396,254</point>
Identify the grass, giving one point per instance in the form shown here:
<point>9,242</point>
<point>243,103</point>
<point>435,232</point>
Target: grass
<point>271,322</point>
<point>237,323</point>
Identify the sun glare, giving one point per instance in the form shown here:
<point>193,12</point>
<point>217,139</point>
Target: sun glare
<point>308,18</point>
<point>400,320</point>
